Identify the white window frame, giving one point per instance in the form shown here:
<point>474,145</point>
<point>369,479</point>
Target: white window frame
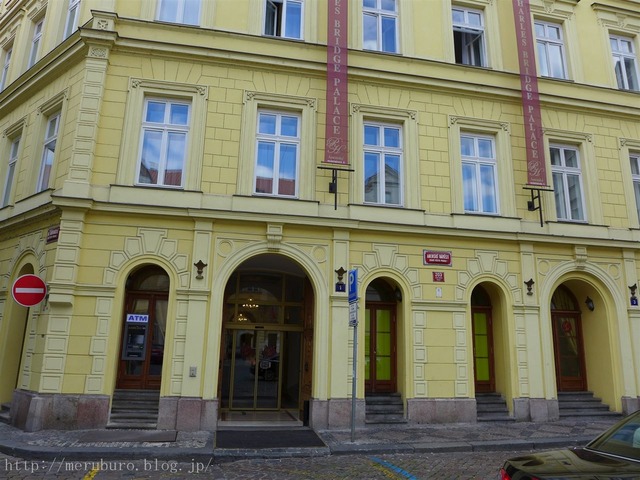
<point>14,150</point>
<point>382,151</point>
<point>166,128</point>
<point>278,140</point>
<point>466,28</point>
<point>478,163</point>
<point>619,57</point>
<point>380,14</point>
<point>73,13</point>
<point>180,14</point>
<point>634,160</point>
<point>281,19</point>
<point>562,172</point>
<point>545,43</point>
<point>48,151</point>
<point>35,42</point>
<point>5,67</point>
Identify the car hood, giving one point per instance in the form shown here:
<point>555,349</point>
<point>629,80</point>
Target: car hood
<point>574,463</point>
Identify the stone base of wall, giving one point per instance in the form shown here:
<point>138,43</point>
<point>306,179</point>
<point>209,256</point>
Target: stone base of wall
<point>335,413</point>
<point>535,410</point>
<point>187,414</point>
<point>31,411</point>
<point>630,405</point>
<point>441,410</point>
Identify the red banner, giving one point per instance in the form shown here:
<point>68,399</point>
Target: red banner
<point>337,139</point>
<point>536,170</point>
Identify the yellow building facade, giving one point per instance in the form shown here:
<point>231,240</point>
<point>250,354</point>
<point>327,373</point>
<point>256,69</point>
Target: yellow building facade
<point>162,169</point>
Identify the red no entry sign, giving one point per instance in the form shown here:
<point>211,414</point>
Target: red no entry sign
<point>29,290</point>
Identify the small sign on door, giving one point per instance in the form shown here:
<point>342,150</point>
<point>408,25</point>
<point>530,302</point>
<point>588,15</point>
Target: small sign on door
<point>137,318</point>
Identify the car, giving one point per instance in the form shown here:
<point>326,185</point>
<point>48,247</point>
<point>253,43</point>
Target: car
<point>614,455</point>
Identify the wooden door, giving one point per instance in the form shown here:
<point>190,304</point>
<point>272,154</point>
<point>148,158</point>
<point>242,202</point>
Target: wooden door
<point>142,346</point>
<point>569,352</point>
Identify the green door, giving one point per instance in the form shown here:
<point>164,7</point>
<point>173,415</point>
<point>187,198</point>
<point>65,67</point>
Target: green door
<point>483,350</point>
<point>380,351</point>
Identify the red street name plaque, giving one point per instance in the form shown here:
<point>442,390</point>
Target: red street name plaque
<point>433,257</point>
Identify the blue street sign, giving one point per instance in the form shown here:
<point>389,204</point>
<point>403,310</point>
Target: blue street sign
<point>353,285</point>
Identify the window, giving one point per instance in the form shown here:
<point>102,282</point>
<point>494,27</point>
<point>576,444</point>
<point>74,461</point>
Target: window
<point>567,183</point>
<point>550,50</point>
<point>5,68</point>
<point>180,11</point>
<point>35,43</point>
<point>72,18</point>
<point>479,173</point>
<point>382,164</point>
<point>11,168</point>
<point>165,127</point>
<point>468,36</point>
<point>48,152</point>
<point>634,158</point>
<point>277,154</point>
<point>624,62</point>
<point>379,24</point>
<point>283,18</point>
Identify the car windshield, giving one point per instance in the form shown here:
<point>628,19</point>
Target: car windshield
<point>622,439</point>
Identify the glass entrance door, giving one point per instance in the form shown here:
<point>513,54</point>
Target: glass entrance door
<point>567,337</point>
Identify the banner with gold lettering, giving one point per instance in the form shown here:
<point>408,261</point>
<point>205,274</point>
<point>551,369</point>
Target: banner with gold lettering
<point>536,169</point>
<point>337,138</point>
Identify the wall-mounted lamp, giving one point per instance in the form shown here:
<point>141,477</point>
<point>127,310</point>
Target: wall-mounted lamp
<point>200,268</point>
<point>633,289</point>
<point>398,294</point>
<point>590,304</point>
<point>529,283</point>
<point>340,286</point>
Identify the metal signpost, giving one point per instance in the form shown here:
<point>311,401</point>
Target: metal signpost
<point>353,322</point>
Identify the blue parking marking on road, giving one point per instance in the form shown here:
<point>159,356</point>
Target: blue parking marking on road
<point>394,468</point>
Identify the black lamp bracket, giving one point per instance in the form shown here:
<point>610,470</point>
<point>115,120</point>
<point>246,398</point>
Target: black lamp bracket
<point>333,184</point>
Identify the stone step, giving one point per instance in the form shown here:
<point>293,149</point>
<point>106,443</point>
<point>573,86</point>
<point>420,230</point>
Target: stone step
<point>385,418</point>
<point>132,425</point>
<point>384,408</point>
<point>492,407</point>
<point>5,413</point>
<point>496,418</point>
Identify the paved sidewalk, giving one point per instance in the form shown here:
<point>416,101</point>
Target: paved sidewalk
<point>198,446</point>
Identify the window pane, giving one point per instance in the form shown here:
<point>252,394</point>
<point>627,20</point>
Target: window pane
<point>544,60</point>
<point>555,156</point>
<point>270,19</point>
<point>458,16</point>
<point>369,3</point>
<point>469,187</point>
<point>371,177</point>
<point>192,12</point>
<point>388,5</point>
<point>179,114</point>
<point>475,19</point>
<point>151,145</point>
<point>630,70</point>
<point>264,167</point>
<point>557,65</point>
<point>575,197</point>
<point>392,137</point>
<point>559,196</point>
<point>389,34</point>
<point>169,10</point>
<point>488,186</point>
<point>540,30</point>
<point>553,32</point>
<point>371,135</point>
<point>289,126</point>
<point>636,190</point>
<point>634,165</point>
<point>370,32</point>
<point>294,20</point>
<point>571,158</point>
<point>392,179</point>
<point>267,124</point>
<point>155,112</point>
<point>287,173</point>
<point>9,183</point>
<point>175,159</point>
<point>485,148</point>
<point>467,148</point>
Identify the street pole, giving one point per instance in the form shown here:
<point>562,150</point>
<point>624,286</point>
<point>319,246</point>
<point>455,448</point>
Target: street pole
<point>353,382</point>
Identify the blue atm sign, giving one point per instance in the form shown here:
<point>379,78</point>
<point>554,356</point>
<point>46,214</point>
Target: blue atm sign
<point>353,285</point>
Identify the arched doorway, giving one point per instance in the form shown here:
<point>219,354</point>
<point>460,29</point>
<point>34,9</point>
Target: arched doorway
<point>482,327</point>
<point>567,342</point>
<point>380,338</point>
<point>267,340</point>
<point>144,330</point>
<point>14,338</point>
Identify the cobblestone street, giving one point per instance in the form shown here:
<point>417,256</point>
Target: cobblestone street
<point>442,466</point>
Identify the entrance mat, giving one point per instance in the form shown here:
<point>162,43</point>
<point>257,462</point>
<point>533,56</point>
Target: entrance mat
<point>129,436</point>
<point>258,439</point>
